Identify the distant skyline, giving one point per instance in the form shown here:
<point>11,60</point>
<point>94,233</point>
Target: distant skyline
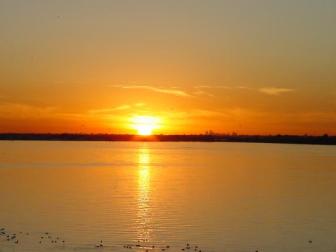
<point>252,67</point>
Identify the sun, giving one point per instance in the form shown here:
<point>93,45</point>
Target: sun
<point>145,125</point>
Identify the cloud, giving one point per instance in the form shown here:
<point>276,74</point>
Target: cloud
<point>203,93</point>
<point>275,90</point>
<point>171,91</point>
<point>200,90</point>
<point>213,87</point>
<point>108,110</point>
<point>265,90</point>
<point>21,110</point>
<point>221,87</point>
<point>139,104</point>
<point>112,110</point>
<point>219,114</point>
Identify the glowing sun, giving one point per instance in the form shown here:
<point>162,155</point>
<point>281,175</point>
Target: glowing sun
<point>144,125</point>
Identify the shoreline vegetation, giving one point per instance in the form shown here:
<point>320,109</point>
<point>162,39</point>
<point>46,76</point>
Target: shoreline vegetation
<point>288,139</point>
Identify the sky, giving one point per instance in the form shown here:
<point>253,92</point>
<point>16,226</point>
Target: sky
<point>245,66</point>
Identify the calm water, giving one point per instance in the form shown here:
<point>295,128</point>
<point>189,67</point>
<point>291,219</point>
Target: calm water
<point>219,196</point>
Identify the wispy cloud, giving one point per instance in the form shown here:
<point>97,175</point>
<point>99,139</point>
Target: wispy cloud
<point>265,90</point>
<point>111,110</point>
<point>108,110</point>
<point>21,110</point>
<point>202,93</point>
<point>171,91</point>
<point>220,87</point>
<point>200,90</point>
<point>139,104</point>
<point>275,90</point>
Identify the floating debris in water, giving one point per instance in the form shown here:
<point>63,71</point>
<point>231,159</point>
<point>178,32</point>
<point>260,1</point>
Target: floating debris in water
<point>47,238</point>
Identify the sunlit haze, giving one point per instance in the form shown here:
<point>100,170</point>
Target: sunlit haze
<point>251,67</point>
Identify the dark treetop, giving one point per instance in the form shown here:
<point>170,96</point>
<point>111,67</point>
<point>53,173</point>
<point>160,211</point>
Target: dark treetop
<point>291,139</point>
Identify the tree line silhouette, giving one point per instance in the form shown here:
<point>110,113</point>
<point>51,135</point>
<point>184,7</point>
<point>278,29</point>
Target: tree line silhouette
<point>290,139</point>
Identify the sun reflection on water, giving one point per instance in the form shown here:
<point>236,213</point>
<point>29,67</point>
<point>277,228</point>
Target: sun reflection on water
<point>144,176</point>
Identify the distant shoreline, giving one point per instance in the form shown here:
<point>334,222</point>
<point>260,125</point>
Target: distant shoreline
<point>288,139</point>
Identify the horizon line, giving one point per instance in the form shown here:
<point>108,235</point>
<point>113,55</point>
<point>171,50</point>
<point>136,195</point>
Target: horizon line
<point>281,139</point>
<point>210,133</point>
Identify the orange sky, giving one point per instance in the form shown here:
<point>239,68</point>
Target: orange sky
<point>227,66</point>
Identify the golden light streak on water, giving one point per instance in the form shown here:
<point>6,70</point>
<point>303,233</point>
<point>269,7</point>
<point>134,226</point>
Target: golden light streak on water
<point>144,197</point>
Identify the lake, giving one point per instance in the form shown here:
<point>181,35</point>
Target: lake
<point>148,196</point>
